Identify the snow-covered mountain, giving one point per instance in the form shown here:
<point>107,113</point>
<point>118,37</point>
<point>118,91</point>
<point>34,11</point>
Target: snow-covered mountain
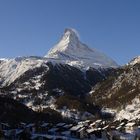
<point>72,77</point>
<point>70,50</point>
<point>11,69</point>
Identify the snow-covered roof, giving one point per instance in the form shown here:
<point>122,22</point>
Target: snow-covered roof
<point>119,127</point>
<point>68,125</point>
<point>60,124</point>
<point>81,129</point>
<point>91,130</point>
<point>105,127</point>
<point>98,121</point>
<point>5,124</point>
<point>122,124</point>
<point>75,128</point>
<point>30,125</point>
<point>130,124</point>
<point>44,124</point>
<point>53,129</point>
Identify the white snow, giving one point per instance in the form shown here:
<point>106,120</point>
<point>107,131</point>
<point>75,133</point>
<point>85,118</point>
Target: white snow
<point>131,111</point>
<point>11,69</point>
<point>3,59</point>
<point>71,51</point>
<point>74,114</point>
<point>135,61</point>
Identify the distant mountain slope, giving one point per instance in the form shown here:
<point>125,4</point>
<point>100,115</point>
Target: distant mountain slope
<point>120,91</point>
<point>11,69</point>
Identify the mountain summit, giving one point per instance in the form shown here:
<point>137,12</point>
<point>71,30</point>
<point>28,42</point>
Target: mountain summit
<point>72,51</point>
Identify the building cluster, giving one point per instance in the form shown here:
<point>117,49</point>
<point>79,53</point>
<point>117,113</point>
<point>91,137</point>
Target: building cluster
<point>86,130</point>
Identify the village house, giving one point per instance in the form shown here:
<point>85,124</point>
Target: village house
<point>77,131</point>
<point>130,127</point>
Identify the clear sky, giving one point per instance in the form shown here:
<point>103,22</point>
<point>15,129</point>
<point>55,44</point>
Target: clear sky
<point>32,27</point>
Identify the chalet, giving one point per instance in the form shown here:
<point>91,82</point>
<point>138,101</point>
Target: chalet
<point>45,125</point>
<point>4,126</point>
<point>85,123</point>
<point>18,133</point>
<point>97,123</point>
<point>122,124</point>
<point>105,127</point>
<point>53,131</point>
<point>118,128</point>
<point>130,127</point>
<point>75,130</point>
<point>44,128</point>
<point>22,125</point>
<point>68,126</point>
<point>94,133</point>
<point>30,128</point>
<point>25,134</point>
<point>60,124</point>
<point>121,127</point>
<point>30,125</point>
<point>90,133</point>
<point>92,124</point>
<point>66,133</point>
<point>81,133</point>
<point>61,127</point>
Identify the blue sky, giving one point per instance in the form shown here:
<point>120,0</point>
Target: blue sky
<point>32,27</point>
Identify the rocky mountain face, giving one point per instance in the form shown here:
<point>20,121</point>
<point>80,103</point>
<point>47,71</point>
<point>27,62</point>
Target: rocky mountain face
<point>121,92</point>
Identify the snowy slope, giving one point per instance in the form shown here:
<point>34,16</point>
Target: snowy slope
<point>11,69</point>
<point>135,61</point>
<point>71,51</point>
<point>131,111</point>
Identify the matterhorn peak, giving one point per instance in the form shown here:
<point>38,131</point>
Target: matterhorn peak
<point>71,34</point>
<point>71,50</point>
